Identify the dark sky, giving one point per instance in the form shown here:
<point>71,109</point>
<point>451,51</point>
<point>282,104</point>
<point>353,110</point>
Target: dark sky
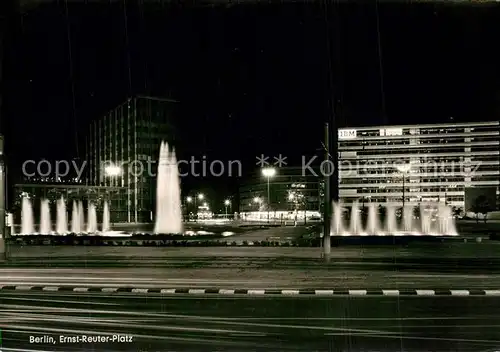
<point>251,78</point>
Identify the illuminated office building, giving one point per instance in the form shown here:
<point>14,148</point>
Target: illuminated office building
<point>128,137</point>
<point>418,163</point>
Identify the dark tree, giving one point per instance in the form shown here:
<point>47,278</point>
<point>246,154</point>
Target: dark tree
<point>481,205</point>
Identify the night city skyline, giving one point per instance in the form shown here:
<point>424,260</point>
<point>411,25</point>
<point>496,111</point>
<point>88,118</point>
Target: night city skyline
<point>249,175</point>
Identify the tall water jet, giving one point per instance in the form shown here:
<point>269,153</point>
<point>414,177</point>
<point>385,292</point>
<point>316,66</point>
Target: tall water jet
<point>356,227</point>
<point>446,224</point>
<point>168,202</point>
<point>75,219</point>
<point>391,224</point>
<point>408,218</point>
<point>425,220</point>
<point>450,222</point>
<point>92,219</point>
<point>27,220</point>
<point>337,226</point>
<point>45,227</point>
<point>81,216</point>
<point>106,218</point>
<point>372,226</point>
<point>62,218</point>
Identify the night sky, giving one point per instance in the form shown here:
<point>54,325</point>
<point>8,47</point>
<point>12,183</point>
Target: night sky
<point>251,79</point>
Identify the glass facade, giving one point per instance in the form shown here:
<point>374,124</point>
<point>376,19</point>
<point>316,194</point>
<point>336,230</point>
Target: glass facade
<point>127,140</point>
<point>418,162</point>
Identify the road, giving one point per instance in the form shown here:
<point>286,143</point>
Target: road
<point>466,258</point>
<point>435,250</point>
<point>247,324</point>
<point>248,278</point>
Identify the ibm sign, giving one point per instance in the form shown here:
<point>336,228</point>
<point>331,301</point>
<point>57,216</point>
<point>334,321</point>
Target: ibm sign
<point>347,134</point>
<point>387,132</point>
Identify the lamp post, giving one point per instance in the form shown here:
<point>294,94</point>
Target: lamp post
<point>404,169</point>
<point>268,172</point>
<point>200,197</point>
<point>114,171</point>
<point>189,200</point>
<point>227,202</point>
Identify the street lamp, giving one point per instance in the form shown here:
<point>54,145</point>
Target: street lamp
<point>404,169</point>
<point>189,200</point>
<point>199,196</point>
<point>113,170</point>
<point>227,203</point>
<point>268,172</point>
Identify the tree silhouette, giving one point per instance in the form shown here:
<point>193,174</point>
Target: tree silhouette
<point>481,205</point>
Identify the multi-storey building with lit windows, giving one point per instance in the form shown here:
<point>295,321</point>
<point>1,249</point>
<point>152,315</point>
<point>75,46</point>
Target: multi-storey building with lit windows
<point>290,188</point>
<point>122,149</point>
<point>418,163</point>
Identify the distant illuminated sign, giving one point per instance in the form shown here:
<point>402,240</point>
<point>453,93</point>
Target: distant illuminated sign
<point>391,132</point>
<point>347,134</point>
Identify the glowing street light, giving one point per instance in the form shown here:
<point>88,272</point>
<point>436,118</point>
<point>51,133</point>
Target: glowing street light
<point>227,203</point>
<point>113,170</point>
<point>268,172</point>
<point>256,200</point>
<point>200,197</point>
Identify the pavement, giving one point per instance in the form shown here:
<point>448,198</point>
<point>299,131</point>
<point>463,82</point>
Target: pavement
<point>64,321</point>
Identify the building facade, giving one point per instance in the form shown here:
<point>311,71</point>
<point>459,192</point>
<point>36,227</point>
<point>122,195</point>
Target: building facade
<point>122,150</point>
<point>289,189</point>
<point>418,163</point>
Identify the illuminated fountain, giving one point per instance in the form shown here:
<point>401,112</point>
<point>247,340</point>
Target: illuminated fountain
<point>27,221</point>
<point>91,219</point>
<point>81,216</point>
<point>61,223</point>
<point>62,218</point>
<point>106,225</point>
<point>76,226</point>
<point>168,201</point>
<point>434,220</point>
<point>45,223</point>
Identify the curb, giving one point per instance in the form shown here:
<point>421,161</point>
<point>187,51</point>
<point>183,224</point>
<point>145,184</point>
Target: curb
<point>148,242</point>
<point>256,292</point>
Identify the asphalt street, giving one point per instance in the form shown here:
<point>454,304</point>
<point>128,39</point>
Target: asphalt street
<point>245,278</point>
<point>490,250</point>
<point>191,323</point>
<point>465,259</point>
